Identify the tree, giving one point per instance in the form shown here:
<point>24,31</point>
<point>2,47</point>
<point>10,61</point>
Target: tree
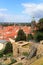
<point>38,36</point>
<point>29,37</point>
<point>39,33</point>
<point>8,48</point>
<point>21,36</point>
<point>40,24</point>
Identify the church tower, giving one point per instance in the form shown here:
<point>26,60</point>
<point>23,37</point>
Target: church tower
<point>33,23</point>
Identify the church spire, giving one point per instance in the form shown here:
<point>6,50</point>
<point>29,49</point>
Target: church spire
<point>33,22</point>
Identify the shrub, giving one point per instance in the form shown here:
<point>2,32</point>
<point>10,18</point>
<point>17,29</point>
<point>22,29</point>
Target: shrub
<point>8,48</point>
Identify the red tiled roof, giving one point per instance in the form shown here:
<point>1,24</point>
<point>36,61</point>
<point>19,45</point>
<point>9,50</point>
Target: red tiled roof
<point>11,31</point>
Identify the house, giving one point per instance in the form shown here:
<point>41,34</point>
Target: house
<point>12,31</point>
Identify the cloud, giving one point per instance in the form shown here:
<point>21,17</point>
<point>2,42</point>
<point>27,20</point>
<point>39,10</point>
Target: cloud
<point>3,9</point>
<point>29,10</point>
<point>33,9</point>
<point>13,18</point>
<point>6,17</point>
<point>21,18</point>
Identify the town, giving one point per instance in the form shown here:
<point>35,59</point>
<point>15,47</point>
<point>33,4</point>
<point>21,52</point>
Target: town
<point>21,32</point>
<point>21,44</point>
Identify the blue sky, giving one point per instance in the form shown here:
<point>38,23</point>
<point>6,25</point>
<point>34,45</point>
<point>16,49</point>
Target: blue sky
<point>20,10</point>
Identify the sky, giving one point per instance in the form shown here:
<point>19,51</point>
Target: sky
<point>20,10</point>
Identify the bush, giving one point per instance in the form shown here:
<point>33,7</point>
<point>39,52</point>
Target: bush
<point>1,55</point>
<point>9,54</point>
<point>8,48</point>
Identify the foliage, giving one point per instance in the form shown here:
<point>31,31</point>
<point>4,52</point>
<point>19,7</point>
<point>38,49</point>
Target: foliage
<point>7,24</point>
<point>8,48</point>
<point>9,54</point>
<point>38,36</point>
<point>1,55</point>
<point>12,61</point>
<point>39,33</point>
<point>40,24</point>
<point>23,24</point>
<point>21,36</point>
<point>29,37</point>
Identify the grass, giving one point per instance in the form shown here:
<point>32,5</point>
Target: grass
<point>6,62</point>
<point>38,61</point>
<point>25,54</point>
<point>19,64</point>
<point>12,61</point>
<point>42,64</point>
<point>26,45</point>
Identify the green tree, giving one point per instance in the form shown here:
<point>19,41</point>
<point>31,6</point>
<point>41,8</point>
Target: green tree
<point>21,36</point>
<point>8,48</point>
<point>40,24</point>
<point>29,37</point>
<point>39,33</point>
<point>38,36</point>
